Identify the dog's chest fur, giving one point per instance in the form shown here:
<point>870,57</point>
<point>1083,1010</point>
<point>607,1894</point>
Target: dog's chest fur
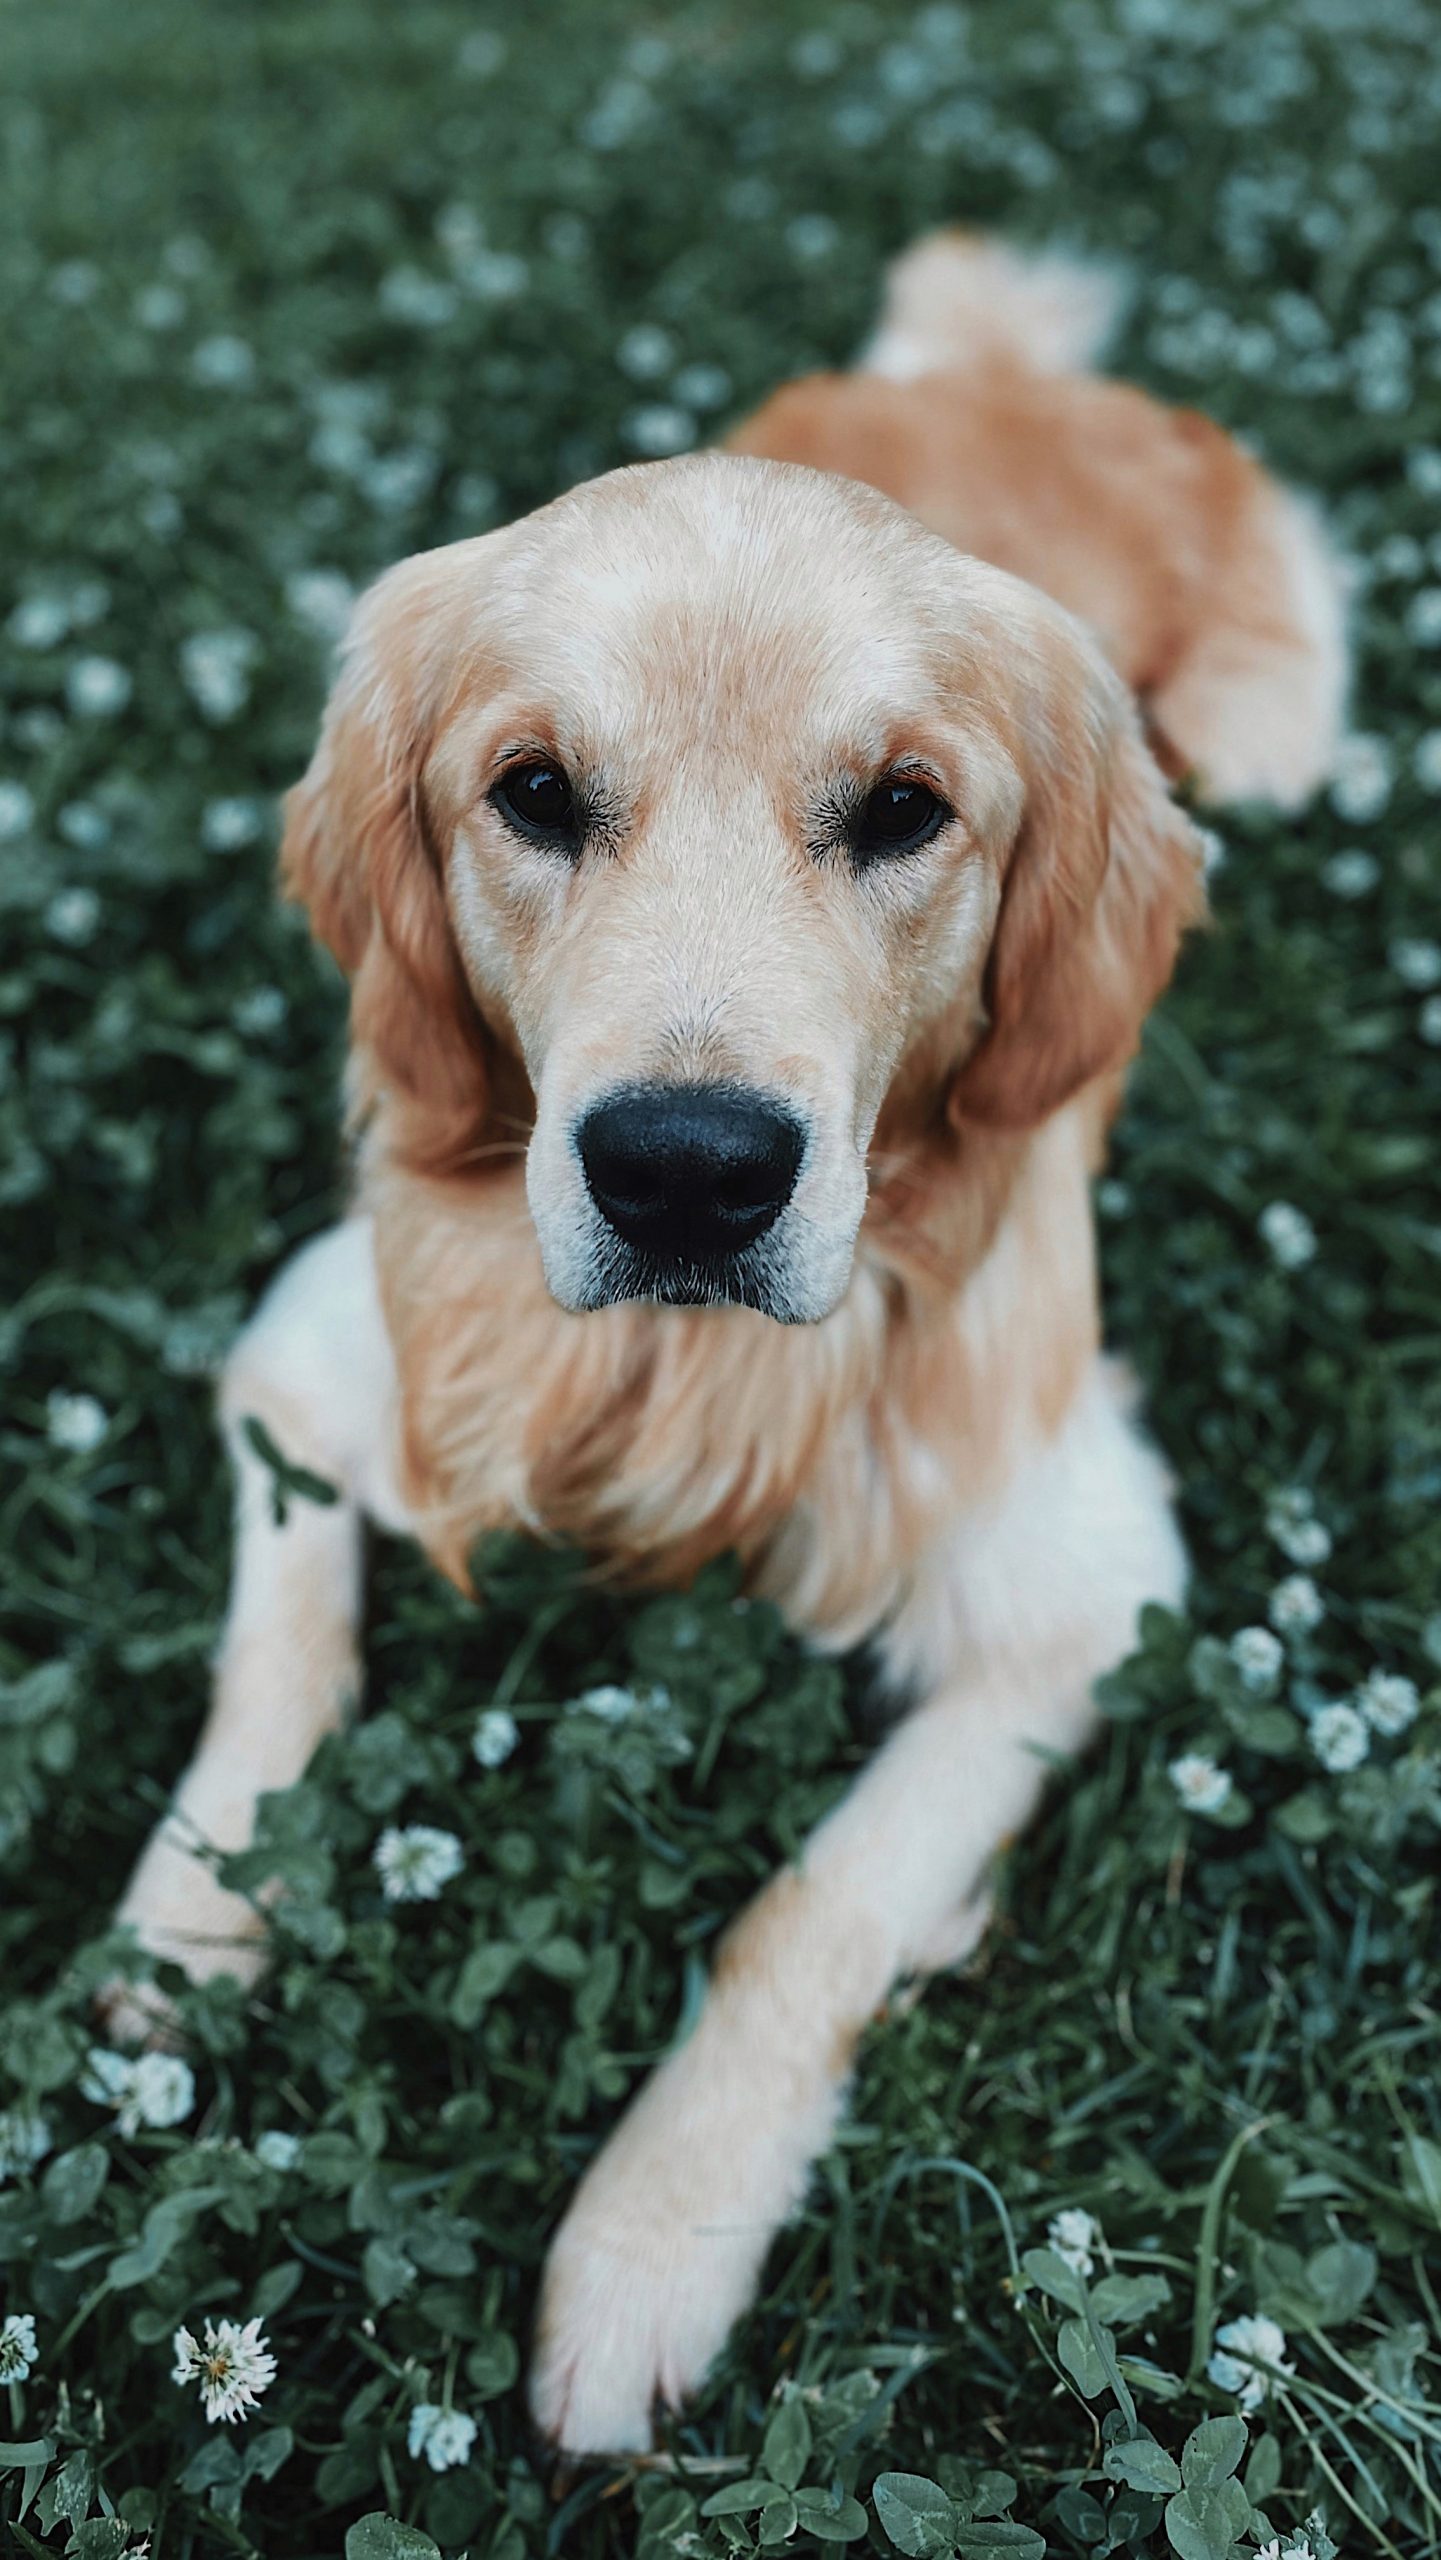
<point>827,1456</point>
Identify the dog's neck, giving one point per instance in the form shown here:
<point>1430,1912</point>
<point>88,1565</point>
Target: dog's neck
<point>657,1438</point>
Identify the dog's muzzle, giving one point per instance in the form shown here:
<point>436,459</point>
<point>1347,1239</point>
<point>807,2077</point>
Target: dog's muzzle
<point>689,1178</point>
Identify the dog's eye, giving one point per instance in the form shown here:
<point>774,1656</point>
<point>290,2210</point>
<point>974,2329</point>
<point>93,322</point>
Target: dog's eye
<point>539,799</point>
<point>897,817</point>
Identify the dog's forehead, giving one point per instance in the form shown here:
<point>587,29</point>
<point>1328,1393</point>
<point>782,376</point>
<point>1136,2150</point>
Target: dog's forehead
<point>721,581</point>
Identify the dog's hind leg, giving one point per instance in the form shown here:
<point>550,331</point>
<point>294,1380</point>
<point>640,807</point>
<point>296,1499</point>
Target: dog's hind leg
<point>314,1371</point>
<point>1254,708</point>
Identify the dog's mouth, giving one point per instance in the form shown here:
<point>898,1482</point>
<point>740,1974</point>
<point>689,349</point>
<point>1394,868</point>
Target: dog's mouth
<point>690,1183</point>
<point>755,1279</point>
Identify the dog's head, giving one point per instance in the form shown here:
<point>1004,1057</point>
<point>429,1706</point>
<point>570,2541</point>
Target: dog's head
<point>722,799</point>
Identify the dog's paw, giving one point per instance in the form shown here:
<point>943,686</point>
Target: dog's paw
<point>662,2246</point>
<point>641,2290</point>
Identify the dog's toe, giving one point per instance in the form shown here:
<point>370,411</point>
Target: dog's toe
<point>135,2013</point>
<point>644,2282</point>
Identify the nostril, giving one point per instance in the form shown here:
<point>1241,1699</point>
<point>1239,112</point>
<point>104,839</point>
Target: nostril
<point>690,1173</point>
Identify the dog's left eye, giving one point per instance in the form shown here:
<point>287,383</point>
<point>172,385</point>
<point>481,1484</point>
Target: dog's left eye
<point>539,799</point>
<point>898,816</point>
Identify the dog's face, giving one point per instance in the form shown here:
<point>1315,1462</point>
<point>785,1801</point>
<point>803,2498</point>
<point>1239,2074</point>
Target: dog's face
<point>729,802</point>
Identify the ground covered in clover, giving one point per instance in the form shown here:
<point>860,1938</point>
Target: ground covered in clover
<point>289,292</point>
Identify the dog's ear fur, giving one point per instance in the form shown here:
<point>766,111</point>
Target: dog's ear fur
<point>1102,880</point>
<point>356,853</point>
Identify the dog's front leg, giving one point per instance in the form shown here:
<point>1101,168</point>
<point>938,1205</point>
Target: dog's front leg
<point>314,1369</point>
<point>664,2242</point>
<point>666,2237</point>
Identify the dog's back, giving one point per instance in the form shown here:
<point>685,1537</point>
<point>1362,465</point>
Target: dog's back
<point>1210,585</point>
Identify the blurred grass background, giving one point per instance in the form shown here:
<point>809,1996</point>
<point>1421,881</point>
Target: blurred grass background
<point>289,291</point>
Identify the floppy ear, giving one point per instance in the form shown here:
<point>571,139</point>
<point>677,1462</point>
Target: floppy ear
<point>1103,878</point>
<point>356,853</point>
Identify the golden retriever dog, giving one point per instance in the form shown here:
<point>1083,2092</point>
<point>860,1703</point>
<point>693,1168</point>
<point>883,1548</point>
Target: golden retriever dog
<point>753,871</point>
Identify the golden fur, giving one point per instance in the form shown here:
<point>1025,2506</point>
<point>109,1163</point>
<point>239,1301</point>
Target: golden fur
<point>917,1439</point>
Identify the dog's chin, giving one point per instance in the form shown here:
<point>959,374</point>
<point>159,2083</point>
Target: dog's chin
<point>615,1273</point>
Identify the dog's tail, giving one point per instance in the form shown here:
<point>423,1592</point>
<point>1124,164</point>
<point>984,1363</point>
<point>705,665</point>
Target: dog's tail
<point>956,296</point>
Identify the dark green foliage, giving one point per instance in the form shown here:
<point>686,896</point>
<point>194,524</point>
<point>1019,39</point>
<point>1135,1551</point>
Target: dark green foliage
<point>289,291</point>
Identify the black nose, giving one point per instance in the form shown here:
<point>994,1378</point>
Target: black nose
<point>690,1173</point>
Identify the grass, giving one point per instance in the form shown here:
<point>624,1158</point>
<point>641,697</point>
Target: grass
<point>289,292</point>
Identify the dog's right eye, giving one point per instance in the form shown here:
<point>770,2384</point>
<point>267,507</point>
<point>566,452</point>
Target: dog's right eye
<point>537,798</point>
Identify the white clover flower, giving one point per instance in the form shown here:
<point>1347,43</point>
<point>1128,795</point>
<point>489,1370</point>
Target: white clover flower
<point>1295,1606</point>
<point>481,52</point>
<point>660,427</point>
<point>215,671</point>
<point>1417,963</point>
<point>418,300</point>
<point>1200,1784</point>
<point>1248,2357</point>
<point>1428,1021</point>
<point>321,599</point>
<point>261,1009</point>
<point>162,2090</point>
<point>83,825</point>
<point>816,54</point>
<point>1291,1521</point>
<point>25,2137</point>
<point>155,2089</point>
<point>1073,2235</point>
<point>75,280</point>
<point>17,811</point>
<point>18,2351</point>
<point>1423,617</point>
<point>39,727</point>
<point>341,444</point>
<point>442,2436</point>
<point>477,496</point>
<point>88,601</point>
<point>1339,1737</point>
<point>1426,764</point>
<point>1308,1542</point>
<point>495,275</point>
<point>812,236</point>
<point>97,688</point>
<point>1352,874</point>
<point>1361,778</point>
<point>72,916</point>
<point>159,306</point>
<point>415,1862</point>
<point>1287,1234</point>
<point>399,480</point>
<point>1389,1702</point>
<point>702,386</point>
<point>232,2368</point>
<point>459,229</point>
<point>646,352</point>
<point>1399,556</point>
<point>226,825</point>
<point>39,622</point>
<point>495,1737</point>
<point>613,1705</point>
<point>223,363</point>
<point>1258,1657</point>
<point>75,1422</point>
<point>162,514</point>
<point>278,2150</point>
